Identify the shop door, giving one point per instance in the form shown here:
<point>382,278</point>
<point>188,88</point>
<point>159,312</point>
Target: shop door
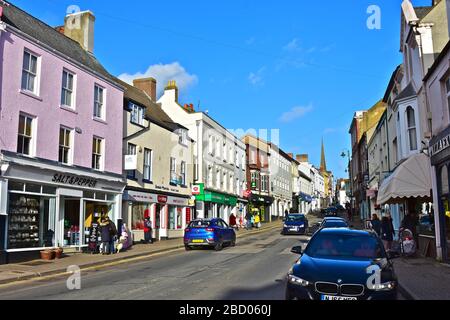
<point>71,218</point>
<point>157,220</point>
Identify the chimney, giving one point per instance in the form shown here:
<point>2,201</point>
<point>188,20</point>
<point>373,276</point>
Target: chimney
<point>302,158</point>
<point>79,26</point>
<point>172,86</point>
<point>148,85</point>
<point>291,155</point>
<point>60,29</point>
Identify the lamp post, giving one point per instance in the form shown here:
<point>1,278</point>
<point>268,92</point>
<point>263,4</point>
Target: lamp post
<point>346,154</point>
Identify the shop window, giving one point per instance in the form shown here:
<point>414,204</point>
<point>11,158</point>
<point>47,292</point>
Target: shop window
<point>175,217</point>
<point>88,195</point>
<point>48,190</point>
<point>444,181</point>
<point>16,186</point>
<point>100,196</point>
<point>139,211</point>
<point>31,221</point>
<point>33,188</point>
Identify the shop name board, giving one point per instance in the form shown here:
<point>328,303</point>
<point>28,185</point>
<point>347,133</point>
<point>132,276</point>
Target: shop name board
<point>441,145</point>
<point>74,181</point>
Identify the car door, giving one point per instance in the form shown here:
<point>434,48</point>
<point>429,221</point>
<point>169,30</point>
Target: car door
<point>226,231</point>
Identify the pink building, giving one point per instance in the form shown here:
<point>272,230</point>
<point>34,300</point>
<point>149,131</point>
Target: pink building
<point>61,127</point>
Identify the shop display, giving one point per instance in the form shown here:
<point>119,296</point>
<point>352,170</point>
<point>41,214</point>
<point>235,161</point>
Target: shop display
<point>24,213</point>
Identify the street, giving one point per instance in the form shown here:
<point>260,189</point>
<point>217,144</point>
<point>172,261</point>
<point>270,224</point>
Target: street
<point>254,269</point>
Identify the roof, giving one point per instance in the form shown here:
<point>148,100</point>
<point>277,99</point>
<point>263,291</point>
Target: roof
<point>391,83</point>
<point>47,35</point>
<point>153,110</point>
<point>421,12</point>
<point>346,231</point>
<point>409,91</point>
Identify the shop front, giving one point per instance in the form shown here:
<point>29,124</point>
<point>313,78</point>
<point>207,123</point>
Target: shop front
<point>215,204</point>
<point>44,205</point>
<point>440,160</point>
<point>169,214</point>
<point>260,205</point>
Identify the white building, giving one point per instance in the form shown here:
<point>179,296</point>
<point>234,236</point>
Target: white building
<point>318,189</point>
<point>219,160</point>
<point>280,169</point>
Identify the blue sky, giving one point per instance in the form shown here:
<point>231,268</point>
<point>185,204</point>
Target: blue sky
<point>303,67</point>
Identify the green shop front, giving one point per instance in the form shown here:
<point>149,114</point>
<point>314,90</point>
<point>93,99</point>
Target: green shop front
<point>211,204</point>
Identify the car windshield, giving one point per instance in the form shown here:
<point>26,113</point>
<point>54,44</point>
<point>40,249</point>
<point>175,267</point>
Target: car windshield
<point>295,218</point>
<point>199,224</point>
<point>335,224</point>
<point>344,246</point>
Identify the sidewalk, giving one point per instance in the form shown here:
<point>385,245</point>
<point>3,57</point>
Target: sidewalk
<point>41,268</point>
<point>423,278</point>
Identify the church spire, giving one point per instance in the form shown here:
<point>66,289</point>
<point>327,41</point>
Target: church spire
<point>323,163</point>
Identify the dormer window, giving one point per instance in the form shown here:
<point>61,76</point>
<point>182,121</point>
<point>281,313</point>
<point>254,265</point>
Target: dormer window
<point>182,137</point>
<point>137,114</point>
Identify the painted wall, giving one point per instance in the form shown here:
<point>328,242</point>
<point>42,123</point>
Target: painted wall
<point>46,107</point>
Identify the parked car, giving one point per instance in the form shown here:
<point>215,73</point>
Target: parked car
<point>209,232</point>
<point>330,212</point>
<point>295,223</point>
<point>333,222</point>
<point>337,264</point>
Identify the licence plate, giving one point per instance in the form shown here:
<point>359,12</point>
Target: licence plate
<point>197,241</point>
<point>327,297</point>
<point>293,229</point>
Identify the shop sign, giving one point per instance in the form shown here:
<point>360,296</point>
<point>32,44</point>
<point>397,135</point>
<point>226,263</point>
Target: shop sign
<point>188,215</point>
<point>74,180</point>
<point>247,193</point>
<point>162,199</point>
<point>130,162</point>
<point>440,145</point>
<point>197,189</point>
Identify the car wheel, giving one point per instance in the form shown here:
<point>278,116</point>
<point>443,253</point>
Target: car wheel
<point>218,246</point>
<point>233,242</point>
<point>187,248</point>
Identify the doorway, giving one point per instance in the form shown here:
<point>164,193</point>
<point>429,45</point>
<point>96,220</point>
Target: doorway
<point>157,220</point>
<point>71,222</point>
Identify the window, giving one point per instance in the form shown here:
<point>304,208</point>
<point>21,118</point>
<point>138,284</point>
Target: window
<point>225,182</point>
<point>24,137</point>
<point>255,180</point>
<point>97,145</point>
<point>218,184</point>
<point>265,183</point>
<point>131,150</point>
<point>447,89</point>
<point>29,72</point>
<point>411,127</point>
<point>137,114</point>
<point>182,137</point>
<point>67,89</point>
<point>211,145</point>
<point>444,181</point>
<point>64,145</point>
<point>183,173</point>
<point>173,171</point>
<point>148,164</point>
<point>99,102</point>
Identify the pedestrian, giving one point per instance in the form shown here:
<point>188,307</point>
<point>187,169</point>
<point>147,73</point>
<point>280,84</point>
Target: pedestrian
<point>387,232</point>
<point>147,228</point>
<point>105,231</point>
<point>114,234</point>
<point>233,220</point>
<point>286,214</point>
<point>376,224</point>
<point>257,221</point>
<point>248,220</point>
<point>252,221</point>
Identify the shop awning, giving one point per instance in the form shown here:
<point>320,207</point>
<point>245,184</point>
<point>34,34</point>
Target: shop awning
<point>411,179</point>
<point>305,197</point>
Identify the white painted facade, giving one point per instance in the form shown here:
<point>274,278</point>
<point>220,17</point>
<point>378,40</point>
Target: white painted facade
<point>280,169</point>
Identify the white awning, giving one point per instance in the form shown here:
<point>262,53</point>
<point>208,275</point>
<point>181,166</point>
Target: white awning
<point>411,179</point>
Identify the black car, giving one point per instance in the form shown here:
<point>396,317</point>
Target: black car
<point>342,264</point>
<point>295,223</point>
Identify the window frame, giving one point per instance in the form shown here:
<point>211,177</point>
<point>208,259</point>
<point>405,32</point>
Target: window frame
<point>100,155</point>
<point>72,90</point>
<point>411,128</point>
<point>24,135</point>
<point>36,74</point>
<point>133,107</point>
<point>183,173</point>
<point>102,103</point>
<point>148,166</point>
<point>131,150</point>
<point>69,147</point>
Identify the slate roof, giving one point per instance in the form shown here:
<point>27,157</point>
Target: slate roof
<point>153,111</point>
<point>421,12</point>
<point>35,28</point>
<point>409,91</point>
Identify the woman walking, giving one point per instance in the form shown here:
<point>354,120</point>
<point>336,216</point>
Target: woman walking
<point>376,224</point>
<point>387,232</point>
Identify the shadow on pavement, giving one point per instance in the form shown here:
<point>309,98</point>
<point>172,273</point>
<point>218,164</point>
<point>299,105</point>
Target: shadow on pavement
<point>273,291</point>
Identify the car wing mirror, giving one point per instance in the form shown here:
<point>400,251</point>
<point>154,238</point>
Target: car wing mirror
<point>297,249</point>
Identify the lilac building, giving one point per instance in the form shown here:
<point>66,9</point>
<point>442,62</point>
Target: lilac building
<point>61,126</point>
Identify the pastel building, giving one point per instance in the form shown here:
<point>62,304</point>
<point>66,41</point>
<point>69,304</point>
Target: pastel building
<point>61,126</point>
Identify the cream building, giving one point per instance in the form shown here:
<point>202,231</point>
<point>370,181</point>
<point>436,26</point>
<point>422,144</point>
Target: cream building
<point>158,165</point>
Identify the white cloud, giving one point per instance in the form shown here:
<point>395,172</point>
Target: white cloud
<point>292,46</point>
<point>163,73</point>
<point>257,78</point>
<point>295,113</point>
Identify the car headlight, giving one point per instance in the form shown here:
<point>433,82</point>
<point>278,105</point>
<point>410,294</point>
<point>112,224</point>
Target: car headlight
<point>286,226</point>
<point>386,286</point>
<point>301,226</point>
<point>298,281</point>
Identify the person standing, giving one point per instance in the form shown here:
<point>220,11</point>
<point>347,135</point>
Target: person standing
<point>376,224</point>
<point>105,231</point>
<point>248,220</point>
<point>232,220</point>
<point>114,233</point>
<point>147,228</point>
<point>286,214</point>
<point>387,232</point>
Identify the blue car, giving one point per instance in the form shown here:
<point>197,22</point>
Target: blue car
<point>342,264</point>
<point>295,223</point>
<point>209,232</point>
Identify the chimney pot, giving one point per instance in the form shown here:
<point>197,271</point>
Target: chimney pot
<point>148,85</point>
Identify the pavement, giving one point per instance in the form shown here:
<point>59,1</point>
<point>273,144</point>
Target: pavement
<point>255,269</point>
<point>420,278</point>
<point>10,273</point>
